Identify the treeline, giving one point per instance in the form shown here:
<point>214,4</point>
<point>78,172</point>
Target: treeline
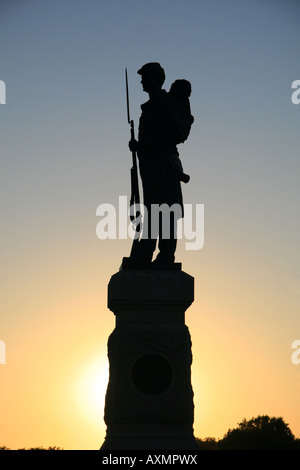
<point>261,433</point>
<point>33,448</point>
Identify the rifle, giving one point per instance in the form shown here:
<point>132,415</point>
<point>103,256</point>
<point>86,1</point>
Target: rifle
<point>135,194</point>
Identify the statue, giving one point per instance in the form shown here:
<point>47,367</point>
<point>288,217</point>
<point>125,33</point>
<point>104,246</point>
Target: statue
<point>149,403</point>
<point>165,122</point>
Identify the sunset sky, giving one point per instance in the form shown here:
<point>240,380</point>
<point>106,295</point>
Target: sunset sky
<point>63,140</point>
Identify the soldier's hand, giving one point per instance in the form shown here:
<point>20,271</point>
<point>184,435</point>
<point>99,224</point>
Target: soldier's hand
<point>133,145</point>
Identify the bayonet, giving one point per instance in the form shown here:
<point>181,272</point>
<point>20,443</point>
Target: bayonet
<point>135,215</point>
<point>127,97</point>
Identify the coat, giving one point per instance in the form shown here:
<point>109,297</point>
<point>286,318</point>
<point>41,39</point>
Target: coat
<point>158,156</point>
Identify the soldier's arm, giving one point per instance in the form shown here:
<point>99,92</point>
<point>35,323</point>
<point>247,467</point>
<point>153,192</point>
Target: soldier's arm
<point>133,145</point>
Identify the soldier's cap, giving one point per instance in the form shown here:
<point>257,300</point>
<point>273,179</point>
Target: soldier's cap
<point>153,68</point>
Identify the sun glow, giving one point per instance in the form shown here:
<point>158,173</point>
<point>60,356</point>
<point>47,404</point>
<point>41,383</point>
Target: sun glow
<point>90,389</point>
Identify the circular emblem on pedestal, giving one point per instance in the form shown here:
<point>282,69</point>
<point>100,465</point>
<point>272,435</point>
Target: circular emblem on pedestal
<point>152,374</point>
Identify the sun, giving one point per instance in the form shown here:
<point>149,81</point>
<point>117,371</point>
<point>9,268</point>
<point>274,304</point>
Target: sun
<point>90,389</point>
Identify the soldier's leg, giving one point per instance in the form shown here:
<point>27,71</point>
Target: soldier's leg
<point>145,248</point>
<point>167,246</point>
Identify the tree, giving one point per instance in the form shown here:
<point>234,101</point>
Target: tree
<point>209,443</point>
<point>261,433</point>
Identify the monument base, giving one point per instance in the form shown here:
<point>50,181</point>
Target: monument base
<point>150,438</point>
<point>149,399</point>
<point>130,264</point>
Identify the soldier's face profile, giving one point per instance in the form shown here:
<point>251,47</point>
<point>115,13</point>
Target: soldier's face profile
<point>145,82</point>
<point>149,83</point>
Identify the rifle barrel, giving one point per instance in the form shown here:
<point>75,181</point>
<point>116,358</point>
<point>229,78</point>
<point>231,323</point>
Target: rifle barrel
<point>127,97</point>
<point>135,196</point>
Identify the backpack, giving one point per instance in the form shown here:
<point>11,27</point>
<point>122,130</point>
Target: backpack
<point>180,109</point>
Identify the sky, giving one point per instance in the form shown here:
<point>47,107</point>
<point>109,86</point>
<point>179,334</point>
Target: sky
<point>64,151</point>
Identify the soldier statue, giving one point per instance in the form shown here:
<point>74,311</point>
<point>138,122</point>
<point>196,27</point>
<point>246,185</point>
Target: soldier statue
<point>164,123</point>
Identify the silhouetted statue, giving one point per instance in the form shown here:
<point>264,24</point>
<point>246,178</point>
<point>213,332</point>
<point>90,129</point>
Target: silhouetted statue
<point>165,122</point>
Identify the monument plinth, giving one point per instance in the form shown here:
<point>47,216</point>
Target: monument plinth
<point>149,399</point>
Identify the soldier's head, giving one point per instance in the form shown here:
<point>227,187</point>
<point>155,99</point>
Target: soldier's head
<point>153,76</point>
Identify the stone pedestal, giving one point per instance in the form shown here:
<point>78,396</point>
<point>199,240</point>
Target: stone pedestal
<point>149,398</point>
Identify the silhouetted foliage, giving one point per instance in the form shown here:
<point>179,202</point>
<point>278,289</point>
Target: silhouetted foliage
<point>42,448</point>
<point>209,443</point>
<point>33,448</point>
<point>261,433</point>
<point>296,444</point>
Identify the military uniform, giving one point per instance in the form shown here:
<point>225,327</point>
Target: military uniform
<point>157,153</point>
<point>160,168</point>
